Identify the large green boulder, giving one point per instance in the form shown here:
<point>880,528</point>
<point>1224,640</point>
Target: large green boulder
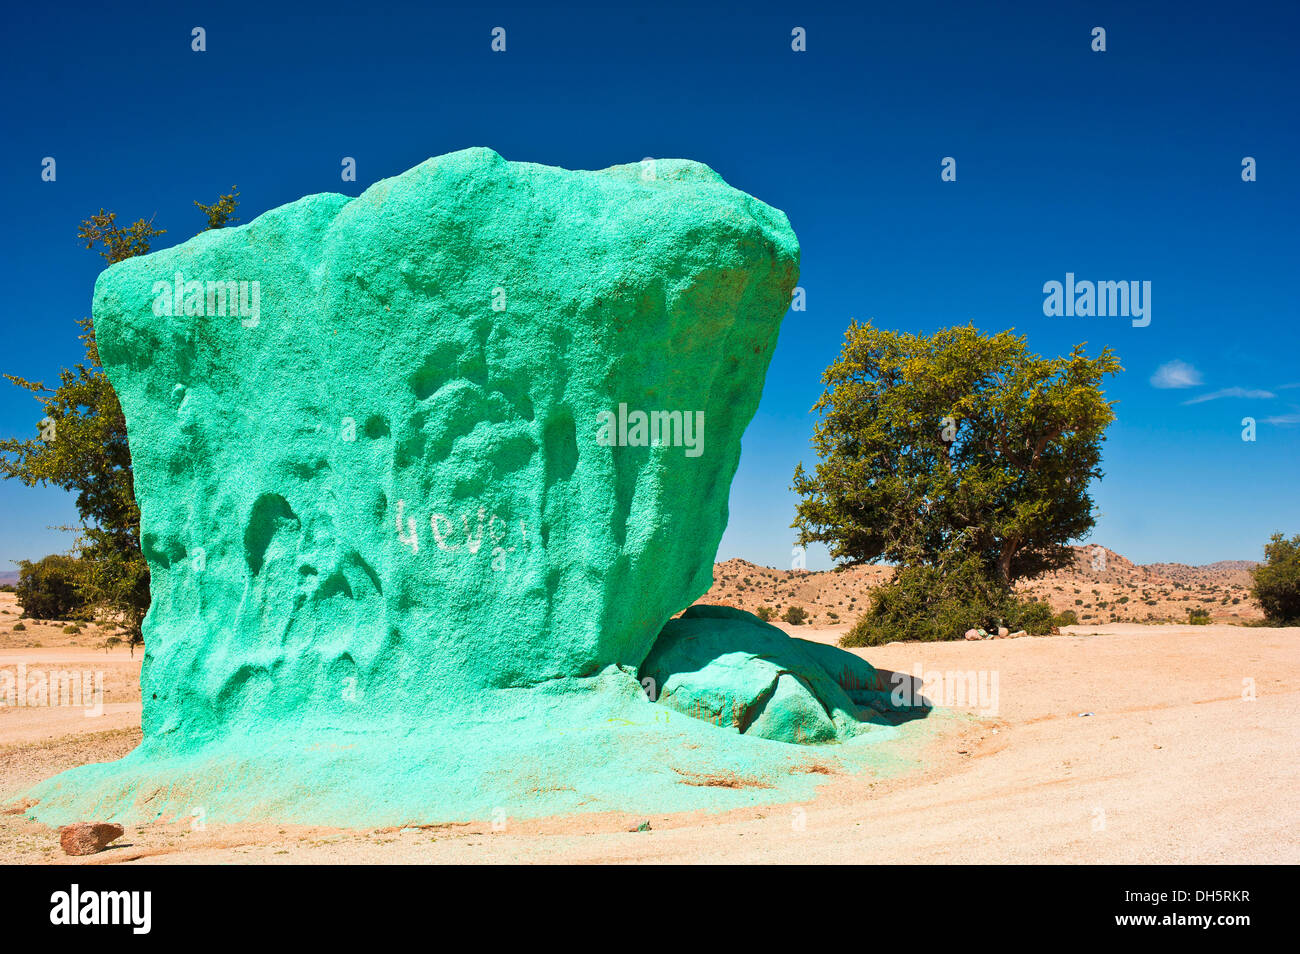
<point>422,475</point>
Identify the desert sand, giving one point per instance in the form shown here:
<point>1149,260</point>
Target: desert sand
<point>1187,753</point>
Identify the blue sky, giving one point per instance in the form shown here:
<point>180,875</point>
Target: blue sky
<point>1122,165</point>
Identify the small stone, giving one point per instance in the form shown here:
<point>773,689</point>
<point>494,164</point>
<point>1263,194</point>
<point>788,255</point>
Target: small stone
<point>1018,633</point>
<point>972,634</point>
<point>87,838</point>
<point>1003,632</point>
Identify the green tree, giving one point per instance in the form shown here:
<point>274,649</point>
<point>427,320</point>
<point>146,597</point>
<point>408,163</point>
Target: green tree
<point>82,447</point>
<point>954,442</point>
<point>1277,581</point>
<point>50,588</point>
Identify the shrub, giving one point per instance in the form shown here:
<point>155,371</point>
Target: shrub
<point>924,603</point>
<point>795,615</point>
<point>1277,581</point>
<point>1198,617</point>
<point>927,604</point>
<point>1033,616</point>
<point>72,629</point>
<point>19,627</point>
<point>50,588</point>
<point>764,613</point>
<point>1067,618</point>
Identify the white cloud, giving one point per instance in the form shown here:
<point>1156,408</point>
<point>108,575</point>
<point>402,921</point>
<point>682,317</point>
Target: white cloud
<point>1232,393</point>
<point>1176,374</point>
<point>1285,420</point>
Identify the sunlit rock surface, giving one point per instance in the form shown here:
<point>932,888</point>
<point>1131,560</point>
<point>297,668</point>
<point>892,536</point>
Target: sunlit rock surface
<point>422,475</point>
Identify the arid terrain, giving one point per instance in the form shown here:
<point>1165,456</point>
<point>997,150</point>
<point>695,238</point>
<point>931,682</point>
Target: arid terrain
<point>1101,587</point>
<point>1112,742</point>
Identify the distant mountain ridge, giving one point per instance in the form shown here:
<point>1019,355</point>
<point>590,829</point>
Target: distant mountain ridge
<point>1101,586</point>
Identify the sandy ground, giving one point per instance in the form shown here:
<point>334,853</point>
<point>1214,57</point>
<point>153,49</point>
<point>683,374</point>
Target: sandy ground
<point>1187,753</point>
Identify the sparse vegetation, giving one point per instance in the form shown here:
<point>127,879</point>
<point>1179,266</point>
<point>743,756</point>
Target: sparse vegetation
<point>838,591</point>
<point>795,615</point>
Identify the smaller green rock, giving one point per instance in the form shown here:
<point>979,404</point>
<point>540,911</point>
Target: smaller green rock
<point>728,667</point>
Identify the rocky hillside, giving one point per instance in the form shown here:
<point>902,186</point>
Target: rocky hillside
<point>1101,587</point>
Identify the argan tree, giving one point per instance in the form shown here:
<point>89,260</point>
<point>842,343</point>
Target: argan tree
<point>81,446</point>
<point>1277,581</point>
<point>956,445</point>
<point>50,588</point>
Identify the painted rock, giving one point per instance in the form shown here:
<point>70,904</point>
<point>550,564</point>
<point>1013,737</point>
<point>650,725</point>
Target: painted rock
<point>424,463</point>
<point>728,667</point>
